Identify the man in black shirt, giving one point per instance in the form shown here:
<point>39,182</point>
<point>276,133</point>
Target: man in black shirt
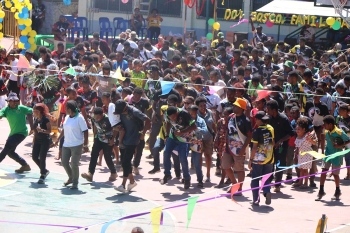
<point>104,138</point>
<point>186,91</point>
<point>276,95</point>
<point>283,131</point>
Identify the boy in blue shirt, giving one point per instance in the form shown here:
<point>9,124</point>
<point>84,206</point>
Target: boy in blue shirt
<point>336,141</point>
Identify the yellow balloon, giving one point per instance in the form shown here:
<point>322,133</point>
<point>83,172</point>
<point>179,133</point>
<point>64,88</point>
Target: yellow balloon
<point>2,14</point>
<point>28,22</point>
<point>32,33</point>
<point>27,2</point>
<point>13,9</point>
<point>1,35</point>
<point>33,47</point>
<point>330,21</point>
<point>16,15</point>
<point>21,21</point>
<point>18,6</point>
<point>20,45</point>
<point>30,7</point>
<point>24,33</point>
<point>28,29</point>
<point>8,4</point>
<point>0,26</point>
<point>216,26</point>
<point>31,40</point>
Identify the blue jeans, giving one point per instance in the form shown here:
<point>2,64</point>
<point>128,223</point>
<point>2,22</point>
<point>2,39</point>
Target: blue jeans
<point>196,159</point>
<point>260,170</point>
<point>158,147</point>
<point>182,148</point>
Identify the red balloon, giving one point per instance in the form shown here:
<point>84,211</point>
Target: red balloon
<point>187,2</point>
<point>125,1</point>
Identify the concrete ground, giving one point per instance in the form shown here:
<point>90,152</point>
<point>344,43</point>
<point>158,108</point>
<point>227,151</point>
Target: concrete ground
<point>26,204</point>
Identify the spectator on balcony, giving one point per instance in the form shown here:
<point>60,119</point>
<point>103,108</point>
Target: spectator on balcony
<point>154,21</point>
<point>38,16</point>
<point>136,21</point>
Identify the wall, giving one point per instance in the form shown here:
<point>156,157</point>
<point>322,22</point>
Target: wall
<point>176,25</point>
<point>53,11</point>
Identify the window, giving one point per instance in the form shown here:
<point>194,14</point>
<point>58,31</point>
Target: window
<point>220,11</point>
<point>168,8</point>
<point>114,6</point>
<point>257,4</point>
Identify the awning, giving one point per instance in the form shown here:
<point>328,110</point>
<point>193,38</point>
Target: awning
<point>298,8</point>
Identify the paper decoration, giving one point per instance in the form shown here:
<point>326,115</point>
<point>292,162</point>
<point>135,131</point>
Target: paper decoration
<point>191,203</point>
<point>340,153</point>
<point>70,71</point>
<point>285,167</point>
<point>118,75</point>
<point>262,94</point>
<point>263,181</point>
<point>313,154</point>
<point>214,89</point>
<point>234,189</point>
<point>23,62</point>
<point>156,215</point>
<point>166,87</point>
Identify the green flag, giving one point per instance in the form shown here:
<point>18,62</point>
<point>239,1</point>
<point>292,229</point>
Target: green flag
<point>190,207</point>
<point>70,71</point>
<point>340,153</point>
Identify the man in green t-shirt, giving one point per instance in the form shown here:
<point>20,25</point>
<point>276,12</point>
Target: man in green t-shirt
<point>16,116</point>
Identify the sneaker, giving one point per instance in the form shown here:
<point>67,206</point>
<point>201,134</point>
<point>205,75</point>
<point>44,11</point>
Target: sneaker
<point>253,203</point>
<point>187,184</point>
<point>218,172</point>
<point>165,179</point>
<point>41,180</point>
<point>249,174</point>
<point>320,195</point>
<point>154,171</point>
<point>87,176</point>
<point>120,189</point>
<point>200,184</point>
<point>24,168</point>
<point>113,177</point>
<point>46,174</point>
<point>207,180</point>
<point>135,170</point>
<point>313,185</point>
<point>336,196</point>
<point>149,156</point>
<point>288,180</point>
<point>228,181</point>
<point>131,186</point>
<point>277,189</point>
<point>268,198</point>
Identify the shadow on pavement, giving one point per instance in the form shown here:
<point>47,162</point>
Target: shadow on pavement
<point>262,209</point>
<point>174,197</point>
<point>120,198</point>
<point>35,185</point>
<point>67,191</point>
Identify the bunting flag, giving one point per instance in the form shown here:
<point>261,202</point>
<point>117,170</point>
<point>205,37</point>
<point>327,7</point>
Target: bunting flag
<point>234,189</point>
<point>156,217</point>
<point>191,202</point>
<point>118,75</point>
<point>166,87</point>
<point>314,154</point>
<point>70,71</point>
<point>262,94</point>
<point>263,181</point>
<point>239,22</point>
<point>214,89</point>
<point>23,63</point>
<point>340,153</point>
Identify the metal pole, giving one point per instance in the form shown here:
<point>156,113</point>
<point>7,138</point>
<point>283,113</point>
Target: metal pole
<point>184,39</point>
<point>207,16</point>
<point>215,6</point>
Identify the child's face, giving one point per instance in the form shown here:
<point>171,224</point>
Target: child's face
<point>328,126</point>
<point>343,113</point>
<point>130,65</point>
<point>138,68</point>
<point>300,131</point>
<point>105,100</point>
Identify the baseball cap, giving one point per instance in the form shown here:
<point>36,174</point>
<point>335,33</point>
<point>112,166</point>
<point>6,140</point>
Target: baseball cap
<point>119,106</point>
<point>241,103</point>
<point>221,35</point>
<point>288,64</point>
<point>261,115</point>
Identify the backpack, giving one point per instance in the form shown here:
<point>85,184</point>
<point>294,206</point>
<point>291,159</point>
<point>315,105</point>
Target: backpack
<point>139,122</point>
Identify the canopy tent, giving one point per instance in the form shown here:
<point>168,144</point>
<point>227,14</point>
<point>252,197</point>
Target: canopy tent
<point>298,8</point>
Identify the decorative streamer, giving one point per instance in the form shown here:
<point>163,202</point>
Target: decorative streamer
<point>166,86</point>
<point>239,22</point>
<point>191,203</point>
<point>42,224</point>
<point>263,181</point>
<point>118,75</point>
<point>286,167</point>
<point>340,153</point>
<point>156,218</point>
<point>234,189</point>
<point>23,62</point>
<point>313,154</point>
